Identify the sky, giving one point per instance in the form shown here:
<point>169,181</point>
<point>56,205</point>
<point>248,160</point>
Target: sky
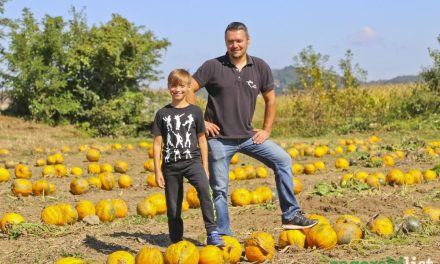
<point>387,38</point>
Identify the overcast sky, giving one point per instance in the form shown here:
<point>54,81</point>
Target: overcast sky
<point>388,38</point>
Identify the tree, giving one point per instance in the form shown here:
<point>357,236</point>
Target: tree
<point>66,71</point>
<point>432,75</point>
<point>352,74</point>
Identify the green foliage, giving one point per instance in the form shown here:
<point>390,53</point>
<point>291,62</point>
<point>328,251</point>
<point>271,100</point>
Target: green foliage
<point>352,74</point>
<point>68,72</point>
<point>432,75</point>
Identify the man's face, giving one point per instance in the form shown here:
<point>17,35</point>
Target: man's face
<point>236,43</point>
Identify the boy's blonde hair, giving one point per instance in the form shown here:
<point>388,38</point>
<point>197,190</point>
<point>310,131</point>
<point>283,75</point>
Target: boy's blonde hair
<point>179,77</point>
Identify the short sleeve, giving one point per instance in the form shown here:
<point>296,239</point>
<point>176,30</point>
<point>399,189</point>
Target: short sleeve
<point>266,77</point>
<point>200,122</point>
<point>157,125</point>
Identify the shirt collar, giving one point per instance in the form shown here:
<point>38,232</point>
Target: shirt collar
<point>226,61</point>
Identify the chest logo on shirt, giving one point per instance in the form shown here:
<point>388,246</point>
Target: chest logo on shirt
<point>251,84</point>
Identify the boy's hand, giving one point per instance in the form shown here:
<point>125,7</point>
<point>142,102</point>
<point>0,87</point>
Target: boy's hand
<point>159,180</point>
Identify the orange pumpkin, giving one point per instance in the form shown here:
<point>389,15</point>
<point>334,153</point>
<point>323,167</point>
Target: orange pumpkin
<point>119,257</point>
<point>240,197</point>
<point>79,186</point>
<point>9,220</point>
<point>159,202</point>
<point>259,247</point>
<point>121,166</point>
<point>151,180</point>
<point>22,171</point>
<point>232,249</point>
<point>85,208</point>
<point>146,208</point>
<point>120,208</point>
<point>183,252</point>
<point>21,187</point>
<point>292,237</point>
<point>322,236</point>
<point>150,255</point>
<point>211,255</point>
<point>93,155</point>
<point>382,226</point>
<point>107,180</point>
<point>125,181</point>
<point>41,187</point>
<point>347,232</point>
<point>297,185</point>
<point>105,210</point>
<point>192,197</point>
<point>4,175</point>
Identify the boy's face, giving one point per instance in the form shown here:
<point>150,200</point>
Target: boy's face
<point>179,91</point>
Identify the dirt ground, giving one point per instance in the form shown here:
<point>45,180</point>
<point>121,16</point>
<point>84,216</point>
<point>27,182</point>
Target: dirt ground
<point>46,244</point>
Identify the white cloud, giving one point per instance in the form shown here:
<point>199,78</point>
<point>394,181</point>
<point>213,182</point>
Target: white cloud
<point>366,37</point>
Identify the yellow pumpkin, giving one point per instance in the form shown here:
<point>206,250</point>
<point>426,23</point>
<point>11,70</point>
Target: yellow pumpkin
<point>239,173</point>
<point>22,171</point>
<point>321,219</point>
<point>388,160</point>
<point>259,247</point>
<point>93,155</point>
<point>107,180</point>
<point>185,205</point>
<point>347,232</point>
<point>159,202</point>
<point>105,210</point>
<point>211,255</point>
<point>60,170</point>
<point>297,185</point>
<point>70,215</point>
<point>240,197</point>
<point>4,175</point>
<point>76,171</point>
<point>120,257</point>
<point>94,168</point>
<point>121,208</point>
<point>146,208</point>
<point>70,260</point>
<point>432,212</point>
<point>297,169</point>
<point>250,171</point>
<point>183,252</point>
<point>21,187</point>
<point>48,171</point>
<point>40,162</point>
<point>234,159</point>
<point>342,164</point>
<point>319,165</point>
<point>322,236</point>
<point>41,187</point>
<point>79,186</point>
<point>309,169</point>
<point>151,180</point>
<point>293,152</point>
<point>346,218</point>
<point>52,215</point>
<point>262,172</point>
<point>51,160</point>
<point>360,176</point>
<point>395,176</point>
<point>85,208</point>
<point>149,165</point>
<point>9,220</point>
<point>266,193</point>
<point>383,226</point>
<point>125,181</point>
<point>121,166</point>
<point>94,182</point>
<point>149,255</point>
<point>232,249</point>
<point>256,197</point>
<point>192,198</point>
<point>429,175</point>
<point>292,238</point>
<point>106,168</point>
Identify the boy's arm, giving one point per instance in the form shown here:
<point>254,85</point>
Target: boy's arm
<point>157,149</point>
<point>203,145</point>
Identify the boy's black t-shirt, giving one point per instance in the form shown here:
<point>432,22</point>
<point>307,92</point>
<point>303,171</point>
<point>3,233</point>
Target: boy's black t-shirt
<point>179,128</point>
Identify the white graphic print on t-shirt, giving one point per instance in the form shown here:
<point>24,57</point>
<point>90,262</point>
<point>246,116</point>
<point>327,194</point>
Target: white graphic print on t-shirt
<point>176,141</point>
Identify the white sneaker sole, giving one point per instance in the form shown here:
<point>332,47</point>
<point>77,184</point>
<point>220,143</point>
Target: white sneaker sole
<point>297,227</point>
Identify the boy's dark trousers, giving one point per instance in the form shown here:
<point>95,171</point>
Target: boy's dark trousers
<point>173,175</point>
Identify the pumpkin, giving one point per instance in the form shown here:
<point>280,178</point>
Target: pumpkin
<point>40,162</point>
<point>347,232</point>
<point>52,188</point>
<point>432,212</point>
<point>266,193</point>
<point>388,160</point>
<point>85,208</point>
<point>291,237</point>
<point>94,182</point>
<point>297,185</point>
<point>321,219</point>
<point>239,173</point>
<point>182,252</point>
<point>51,160</point>
<point>297,169</point>
<point>107,180</point>
<point>70,260</point>
<point>234,159</point>
<point>121,166</point>
<point>52,215</point>
<point>149,255</point>
<point>322,236</point>
<point>48,171</point>
<point>94,168</point>
<point>231,176</point>
<point>41,187</point>
<point>192,197</point>
<point>151,180</point>
<point>382,226</point>
<point>93,155</point>
<point>59,159</point>
<point>293,152</point>
<point>106,168</point>
<point>105,210</point>
<point>149,165</point>
<point>22,171</point>
<point>395,176</point>
<point>9,220</point>
<point>320,151</point>
<point>429,175</point>
<point>21,187</point>
<point>60,170</point>
<point>185,205</point>
<point>360,176</point>
<point>4,175</point>
<point>70,215</point>
<point>373,181</point>
<point>259,247</point>
<point>240,197</point>
<point>146,208</point>
<point>319,165</point>
<point>262,172</point>
<point>250,171</point>
<point>256,197</point>
<point>349,219</point>
<point>159,202</point>
<point>411,224</point>
<point>121,208</point>
<point>309,169</point>
<point>345,179</point>
<point>76,171</point>
<point>417,175</point>
<point>232,249</point>
<point>211,255</point>
<point>342,164</point>
<point>120,257</point>
<point>79,186</point>
<point>125,181</point>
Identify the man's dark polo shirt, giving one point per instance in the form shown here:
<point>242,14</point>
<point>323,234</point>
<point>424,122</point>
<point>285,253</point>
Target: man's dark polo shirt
<point>232,94</point>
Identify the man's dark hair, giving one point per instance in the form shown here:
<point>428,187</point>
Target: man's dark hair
<point>237,26</point>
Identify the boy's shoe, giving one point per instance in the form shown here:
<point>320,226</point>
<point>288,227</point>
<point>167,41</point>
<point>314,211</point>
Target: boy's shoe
<point>215,239</point>
<point>298,221</point>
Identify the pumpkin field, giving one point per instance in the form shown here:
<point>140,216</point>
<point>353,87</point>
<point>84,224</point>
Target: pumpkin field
<point>68,198</point>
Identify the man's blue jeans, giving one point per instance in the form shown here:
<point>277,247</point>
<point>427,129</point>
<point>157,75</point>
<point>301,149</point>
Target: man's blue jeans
<point>269,153</point>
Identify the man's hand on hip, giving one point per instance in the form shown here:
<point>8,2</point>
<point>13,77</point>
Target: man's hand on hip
<point>211,129</point>
<point>260,136</point>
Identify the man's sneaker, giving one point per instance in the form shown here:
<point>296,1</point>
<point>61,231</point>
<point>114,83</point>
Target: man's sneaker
<point>298,221</point>
<point>215,239</point>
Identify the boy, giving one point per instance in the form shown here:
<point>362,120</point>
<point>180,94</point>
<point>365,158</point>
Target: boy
<point>180,127</point>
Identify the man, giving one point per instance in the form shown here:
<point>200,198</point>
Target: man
<point>233,82</point>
